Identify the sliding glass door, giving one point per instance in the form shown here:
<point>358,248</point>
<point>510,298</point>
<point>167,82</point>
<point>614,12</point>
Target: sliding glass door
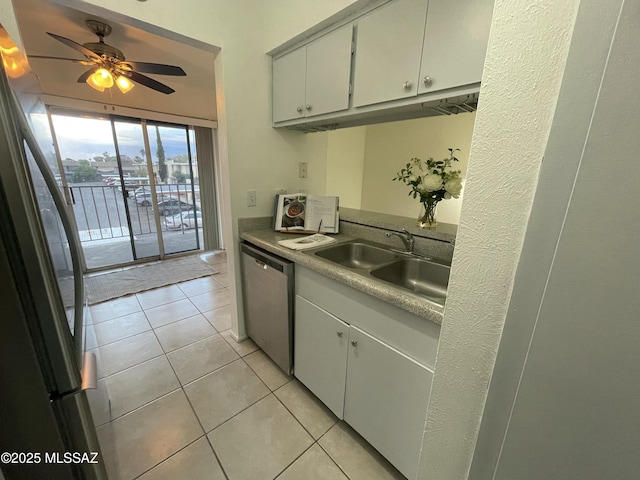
<point>177,187</point>
<point>133,186</point>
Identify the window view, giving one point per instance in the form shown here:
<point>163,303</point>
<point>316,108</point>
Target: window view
<point>132,199</point>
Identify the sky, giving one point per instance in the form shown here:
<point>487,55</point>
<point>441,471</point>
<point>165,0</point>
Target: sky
<point>85,138</point>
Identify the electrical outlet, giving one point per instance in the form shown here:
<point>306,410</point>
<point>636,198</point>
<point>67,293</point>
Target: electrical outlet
<point>251,198</point>
<point>281,191</point>
<point>302,170</point>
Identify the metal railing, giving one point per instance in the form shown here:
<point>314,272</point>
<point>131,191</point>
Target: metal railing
<point>101,214</point>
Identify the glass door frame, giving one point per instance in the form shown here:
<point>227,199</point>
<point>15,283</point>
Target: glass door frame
<point>68,190</point>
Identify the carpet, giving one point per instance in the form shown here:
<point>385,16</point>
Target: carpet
<point>100,288</point>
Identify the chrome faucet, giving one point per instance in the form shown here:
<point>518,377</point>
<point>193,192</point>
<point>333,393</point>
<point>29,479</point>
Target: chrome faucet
<point>406,238</point>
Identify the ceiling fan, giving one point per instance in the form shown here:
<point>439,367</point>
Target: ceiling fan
<point>108,64</point>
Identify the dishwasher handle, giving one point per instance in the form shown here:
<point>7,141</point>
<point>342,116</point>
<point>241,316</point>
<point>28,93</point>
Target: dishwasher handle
<point>265,260</point>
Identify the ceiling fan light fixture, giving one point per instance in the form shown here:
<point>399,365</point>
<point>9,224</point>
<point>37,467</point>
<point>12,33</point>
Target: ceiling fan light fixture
<point>91,81</point>
<point>102,78</point>
<point>124,84</point>
<point>15,63</point>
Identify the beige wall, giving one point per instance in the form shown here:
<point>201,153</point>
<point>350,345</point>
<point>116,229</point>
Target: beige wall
<point>390,146</point>
<point>345,163</point>
<point>362,161</point>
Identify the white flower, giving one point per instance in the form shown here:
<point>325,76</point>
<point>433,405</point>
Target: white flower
<point>454,187</point>
<point>432,182</point>
<point>414,178</point>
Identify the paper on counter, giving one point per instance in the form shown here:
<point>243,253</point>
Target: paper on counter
<point>312,241</point>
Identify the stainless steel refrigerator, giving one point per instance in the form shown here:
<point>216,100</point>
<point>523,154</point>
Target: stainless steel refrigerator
<point>46,427</point>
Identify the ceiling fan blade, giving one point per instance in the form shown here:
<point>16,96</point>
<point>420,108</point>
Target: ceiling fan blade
<point>83,78</point>
<point>76,46</point>
<point>148,82</point>
<point>157,68</point>
<point>75,60</point>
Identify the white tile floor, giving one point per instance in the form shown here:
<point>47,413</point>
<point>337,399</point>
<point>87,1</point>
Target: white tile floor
<point>188,402</point>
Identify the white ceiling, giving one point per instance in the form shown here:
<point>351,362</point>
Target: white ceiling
<point>194,94</point>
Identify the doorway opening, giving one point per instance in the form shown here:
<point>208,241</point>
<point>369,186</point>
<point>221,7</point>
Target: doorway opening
<point>133,186</point>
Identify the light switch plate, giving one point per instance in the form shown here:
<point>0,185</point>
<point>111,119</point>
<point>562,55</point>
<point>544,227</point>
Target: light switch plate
<point>251,198</point>
<point>302,170</point>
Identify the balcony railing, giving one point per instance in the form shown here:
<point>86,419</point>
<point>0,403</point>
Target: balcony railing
<point>101,216</point>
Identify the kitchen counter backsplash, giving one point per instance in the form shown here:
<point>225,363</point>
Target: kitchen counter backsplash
<point>443,231</point>
<point>254,223</point>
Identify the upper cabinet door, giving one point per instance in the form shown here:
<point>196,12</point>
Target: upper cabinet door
<point>388,50</point>
<point>455,43</point>
<point>289,73</point>
<point>329,72</point>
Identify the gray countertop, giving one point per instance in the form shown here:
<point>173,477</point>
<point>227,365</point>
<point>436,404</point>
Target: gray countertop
<point>267,240</point>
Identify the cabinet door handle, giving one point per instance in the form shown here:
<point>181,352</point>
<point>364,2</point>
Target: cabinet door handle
<point>339,333</point>
<point>406,85</point>
<point>354,343</point>
<point>299,109</point>
<point>308,107</point>
<point>427,81</point>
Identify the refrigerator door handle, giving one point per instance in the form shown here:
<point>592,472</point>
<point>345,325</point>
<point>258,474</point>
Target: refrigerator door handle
<point>89,371</point>
<point>75,248</point>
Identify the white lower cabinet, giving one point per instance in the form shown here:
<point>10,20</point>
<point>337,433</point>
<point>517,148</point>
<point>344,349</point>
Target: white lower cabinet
<point>320,353</point>
<point>376,388</point>
<point>386,399</point>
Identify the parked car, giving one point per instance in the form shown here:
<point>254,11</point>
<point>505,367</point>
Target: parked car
<point>145,200</point>
<point>173,206</point>
<point>184,220</point>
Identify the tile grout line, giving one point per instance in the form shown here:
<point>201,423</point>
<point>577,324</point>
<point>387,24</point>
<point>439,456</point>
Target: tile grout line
<point>182,387</point>
<point>170,456</point>
<point>315,441</point>
<point>194,414</point>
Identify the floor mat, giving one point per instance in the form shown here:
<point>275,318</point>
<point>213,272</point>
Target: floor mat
<point>100,288</point>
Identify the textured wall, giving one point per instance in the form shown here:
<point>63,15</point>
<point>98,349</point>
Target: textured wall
<point>582,349</point>
<point>523,70</point>
<point>571,124</point>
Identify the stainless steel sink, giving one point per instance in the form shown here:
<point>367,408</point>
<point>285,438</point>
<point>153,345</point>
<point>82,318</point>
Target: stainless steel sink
<point>423,277</point>
<point>357,255</point>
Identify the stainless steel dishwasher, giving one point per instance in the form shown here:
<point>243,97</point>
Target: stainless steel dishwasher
<point>268,291</point>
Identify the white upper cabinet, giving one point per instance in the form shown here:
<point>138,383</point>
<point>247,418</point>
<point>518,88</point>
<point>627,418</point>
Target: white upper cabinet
<point>388,50</point>
<point>289,72</point>
<point>407,53</point>
<point>455,43</point>
<point>313,79</point>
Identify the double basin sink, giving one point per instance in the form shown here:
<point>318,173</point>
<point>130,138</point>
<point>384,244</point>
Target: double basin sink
<point>418,275</point>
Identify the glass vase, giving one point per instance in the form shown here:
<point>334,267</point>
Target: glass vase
<point>427,217</point>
